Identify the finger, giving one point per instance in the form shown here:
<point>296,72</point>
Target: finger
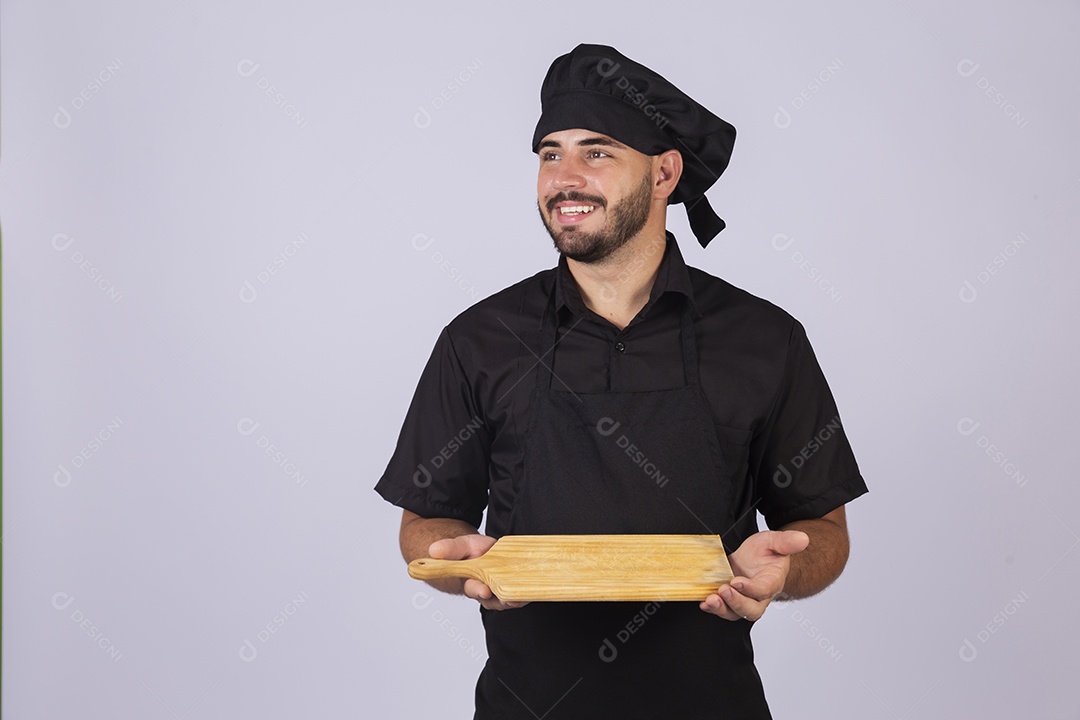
<point>483,594</point>
<point>477,590</point>
<point>765,586</point>
<point>448,549</point>
<point>512,604</point>
<point>789,542</point>
<point>745,607</point>
<point>715,605</point>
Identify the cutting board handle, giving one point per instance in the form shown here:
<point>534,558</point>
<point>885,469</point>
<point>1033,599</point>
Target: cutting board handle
<point>433,569</point>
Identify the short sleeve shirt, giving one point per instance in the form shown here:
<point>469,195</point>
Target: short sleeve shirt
<point>461,446</point>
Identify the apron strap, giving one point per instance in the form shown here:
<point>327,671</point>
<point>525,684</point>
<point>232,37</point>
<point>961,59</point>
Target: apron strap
<point>689,346</point>
<point>548,335</point>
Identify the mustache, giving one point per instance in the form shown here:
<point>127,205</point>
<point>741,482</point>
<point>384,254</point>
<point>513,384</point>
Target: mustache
<point>574,197</point>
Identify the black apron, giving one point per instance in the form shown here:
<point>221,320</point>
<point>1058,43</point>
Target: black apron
<point>620,462</point>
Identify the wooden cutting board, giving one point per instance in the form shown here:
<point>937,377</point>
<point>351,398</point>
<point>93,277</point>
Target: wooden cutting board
<point>592,567</point>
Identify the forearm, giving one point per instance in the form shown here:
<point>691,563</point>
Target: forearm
<point>816,567</point>
<point>417,534</point>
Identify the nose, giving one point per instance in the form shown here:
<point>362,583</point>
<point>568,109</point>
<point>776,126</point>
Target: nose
<point>567,175</point>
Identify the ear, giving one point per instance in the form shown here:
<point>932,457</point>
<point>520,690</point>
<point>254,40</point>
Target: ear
<point>667,168</point>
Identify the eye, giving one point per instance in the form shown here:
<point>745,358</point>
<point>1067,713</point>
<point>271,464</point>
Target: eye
<point>597,154</point>
<point>549,155</point>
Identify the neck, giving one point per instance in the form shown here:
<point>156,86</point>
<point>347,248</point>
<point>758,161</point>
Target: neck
<point>618,288</point>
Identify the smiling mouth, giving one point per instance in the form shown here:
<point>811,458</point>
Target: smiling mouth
<point>568,211</point>
<point>576,210</point>
<point>569,214</point>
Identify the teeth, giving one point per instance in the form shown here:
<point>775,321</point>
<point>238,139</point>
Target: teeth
<point>577,209</point>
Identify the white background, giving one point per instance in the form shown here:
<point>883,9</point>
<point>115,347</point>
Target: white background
<point>174,151</point>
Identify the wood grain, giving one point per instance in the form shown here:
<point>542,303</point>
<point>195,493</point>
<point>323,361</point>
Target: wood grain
<point>592,567</point>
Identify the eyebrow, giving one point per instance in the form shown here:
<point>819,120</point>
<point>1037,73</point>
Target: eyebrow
<point>589,141</point>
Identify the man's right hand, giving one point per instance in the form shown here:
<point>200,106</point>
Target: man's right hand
<point>466,547</point>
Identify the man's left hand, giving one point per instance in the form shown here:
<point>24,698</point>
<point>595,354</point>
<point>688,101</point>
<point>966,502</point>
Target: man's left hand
<point>760,566</point>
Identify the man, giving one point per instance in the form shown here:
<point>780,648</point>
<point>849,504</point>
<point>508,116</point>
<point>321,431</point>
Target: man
<point>625,392</point>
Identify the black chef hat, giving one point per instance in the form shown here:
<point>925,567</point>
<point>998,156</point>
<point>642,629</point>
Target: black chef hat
<point>597,88</point>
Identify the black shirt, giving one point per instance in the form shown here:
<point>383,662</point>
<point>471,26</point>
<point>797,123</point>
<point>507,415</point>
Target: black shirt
<point>462,439</point>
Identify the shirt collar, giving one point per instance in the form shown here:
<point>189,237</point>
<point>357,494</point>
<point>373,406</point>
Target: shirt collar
<point>672,276</point>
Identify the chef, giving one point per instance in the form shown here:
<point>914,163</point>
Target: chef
<point>624,391</point>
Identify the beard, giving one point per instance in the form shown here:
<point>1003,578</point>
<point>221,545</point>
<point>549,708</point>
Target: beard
<point>626,219</point>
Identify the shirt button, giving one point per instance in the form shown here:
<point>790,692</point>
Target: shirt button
<point>620,347</point>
